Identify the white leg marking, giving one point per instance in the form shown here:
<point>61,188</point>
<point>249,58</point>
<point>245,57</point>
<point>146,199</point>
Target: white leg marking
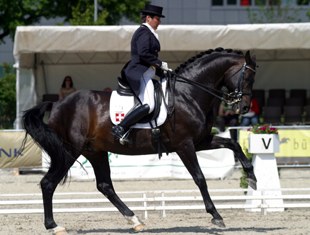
<point>136,223</point>
<point>58,230</point>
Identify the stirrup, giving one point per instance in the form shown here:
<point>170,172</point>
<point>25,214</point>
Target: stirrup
<point>124,139</point>
<point>120,134</point>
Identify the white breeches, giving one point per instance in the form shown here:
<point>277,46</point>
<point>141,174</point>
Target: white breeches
<point>146,93</point>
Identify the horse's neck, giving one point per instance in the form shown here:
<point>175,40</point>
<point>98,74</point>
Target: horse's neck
<point>209,77</point>
<point>196,97</point>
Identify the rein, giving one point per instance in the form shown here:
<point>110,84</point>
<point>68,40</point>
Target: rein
<point>232,97</point>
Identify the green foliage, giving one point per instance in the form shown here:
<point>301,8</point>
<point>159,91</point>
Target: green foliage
<point>15,13</point>
<point>275,12</point>
<point>109,12</point>
<point>83,14</point>
<point>243,178</point>
<point>7,98</point>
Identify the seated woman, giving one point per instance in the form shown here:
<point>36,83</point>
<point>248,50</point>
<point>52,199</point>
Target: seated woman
<point>67,87</point>
<point>251,117</point>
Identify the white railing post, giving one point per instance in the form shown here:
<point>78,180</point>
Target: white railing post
<point>163,204</point>
<point>145,206</point>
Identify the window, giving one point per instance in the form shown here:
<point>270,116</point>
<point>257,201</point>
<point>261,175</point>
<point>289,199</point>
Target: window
<point>224,2</point>
<point>268,2</point>
<point>245,3</point>
<point>303,2</point>
<point>274,2</point>
<point>217,2</point>
<point>260,2</point>
<point>1,71</point>
<point>231,2</point>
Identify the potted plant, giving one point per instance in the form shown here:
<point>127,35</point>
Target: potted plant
<point>263,139</point>
<point>244,176</point>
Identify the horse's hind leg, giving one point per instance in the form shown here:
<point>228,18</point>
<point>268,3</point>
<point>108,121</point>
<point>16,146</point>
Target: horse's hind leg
<point>220,142</point>
<point>101,166</point>
<point>189,158</point>
<point>48,185</point>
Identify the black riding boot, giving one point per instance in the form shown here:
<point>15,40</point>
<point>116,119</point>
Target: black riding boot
<point>130,119</point>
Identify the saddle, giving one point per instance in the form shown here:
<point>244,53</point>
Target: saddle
<point>124,89</point>
<point>124,99</point>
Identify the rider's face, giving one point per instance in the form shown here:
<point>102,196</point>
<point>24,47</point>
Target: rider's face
<point>153,21</point>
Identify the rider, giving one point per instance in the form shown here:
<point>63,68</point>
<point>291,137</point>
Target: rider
<point>142,67</point>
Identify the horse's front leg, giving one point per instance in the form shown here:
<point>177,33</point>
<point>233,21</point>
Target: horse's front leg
<point>101,166</point>
<point>188,156</point>
<point>220,142</point>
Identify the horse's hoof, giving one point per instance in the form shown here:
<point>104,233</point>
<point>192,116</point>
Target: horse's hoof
<point>218,222</point>
<point>138,225</point>
<point>59,231</point>
<point>138,228</point>
<point>252,183</point>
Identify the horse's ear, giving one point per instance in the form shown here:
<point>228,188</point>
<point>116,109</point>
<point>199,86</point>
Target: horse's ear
<point>248,58</point>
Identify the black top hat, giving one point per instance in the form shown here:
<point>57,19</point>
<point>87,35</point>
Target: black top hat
<point>153,10</point>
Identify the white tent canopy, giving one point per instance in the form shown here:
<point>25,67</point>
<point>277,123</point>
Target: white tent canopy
<point>94,55</point>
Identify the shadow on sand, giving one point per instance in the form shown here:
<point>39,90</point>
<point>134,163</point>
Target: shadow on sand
<point>185,230</point>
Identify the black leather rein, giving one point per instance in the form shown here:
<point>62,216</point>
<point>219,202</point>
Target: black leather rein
<point>228,98</point>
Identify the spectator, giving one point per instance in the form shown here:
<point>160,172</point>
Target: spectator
<point>251,117</point>
<point>67,87</point>
<point>226,116</point>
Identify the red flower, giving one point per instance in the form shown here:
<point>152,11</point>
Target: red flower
<point>264,129</point>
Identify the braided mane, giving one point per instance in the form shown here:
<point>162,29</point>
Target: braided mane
<point>206,53</point>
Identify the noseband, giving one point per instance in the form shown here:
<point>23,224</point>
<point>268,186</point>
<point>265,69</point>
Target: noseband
<point>228,98</point>
<point>235,97</point>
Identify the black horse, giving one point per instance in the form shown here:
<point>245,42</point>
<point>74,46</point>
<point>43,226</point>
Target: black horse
<point>80,124</point>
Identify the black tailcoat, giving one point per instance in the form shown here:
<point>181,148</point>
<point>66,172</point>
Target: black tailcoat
<point>144,53</point>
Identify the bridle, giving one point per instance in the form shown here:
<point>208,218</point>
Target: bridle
<point>235,97</point>
<point>228,98</point>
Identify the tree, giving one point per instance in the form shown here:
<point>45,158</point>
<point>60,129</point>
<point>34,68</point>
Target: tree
<point>110,12</point>
<point>274,11</point>
<point>14,13</point>
<point>7,98</point>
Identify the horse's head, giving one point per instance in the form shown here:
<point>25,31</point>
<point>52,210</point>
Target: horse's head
<point>213,70</point>
<point>239,80</point>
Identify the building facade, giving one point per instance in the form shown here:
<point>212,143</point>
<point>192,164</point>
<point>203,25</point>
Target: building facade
<point>214,12</point>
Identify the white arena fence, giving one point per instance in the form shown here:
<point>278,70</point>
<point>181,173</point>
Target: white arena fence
<point>146,201</point>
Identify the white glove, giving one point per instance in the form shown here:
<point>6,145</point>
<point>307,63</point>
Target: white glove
<point>164,66</point>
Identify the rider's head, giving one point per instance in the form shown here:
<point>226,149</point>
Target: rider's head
<point>151,15</point>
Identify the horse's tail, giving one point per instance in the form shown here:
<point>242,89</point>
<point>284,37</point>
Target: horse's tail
<point>46,138</point>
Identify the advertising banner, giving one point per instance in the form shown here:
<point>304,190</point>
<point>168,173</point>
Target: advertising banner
<point>10,155</point>
<point>294,145</point>
<point>215,164</point>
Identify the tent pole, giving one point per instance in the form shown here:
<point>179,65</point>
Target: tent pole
<point>95,11</point>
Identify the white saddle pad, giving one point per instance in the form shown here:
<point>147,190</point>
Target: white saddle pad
<point>121,105</point>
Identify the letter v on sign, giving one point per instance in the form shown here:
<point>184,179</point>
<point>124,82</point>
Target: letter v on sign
<point>266,145</point>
